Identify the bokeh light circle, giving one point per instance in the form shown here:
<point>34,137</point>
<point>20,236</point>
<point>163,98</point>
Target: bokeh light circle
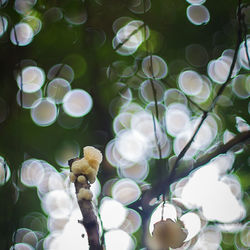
<point>192,224</point>
<point>177,118</point>
<point>154,67</point>
<point>131,145</point>
<point>61,71</point>
<point>27,100</point>
<point>34,22</point>
<point>76,17</point>
<point>132,222</point>
<point>196,2</point>
<point>140,6</point>
<point>44,112</point>
<point>241,86</point>
<point>243,58</point>
<point>57,88</point>
<point>245,234</point>
<point>205,91</point>
<point>137,171</point>
<point>198,14</point>
<point>218,70</point>
<point>135,40</point>
<point>24,6</point>
<point>122,121</point>
<point>190,82</point>
<point>174,96</point>
<point>150,89</point>
<point>129,37</point>
<point>31,79</point>
<point>21,34</point>
<point>58,204</point>
<point>112,213</point>
<point>118,239</point>
<point>126,191</point>
<point>30,238</point>
<point>21,246</point>
<point>77,103</point>
<point>4,171</point>
<point>32,172</point>
<point>3,25</point>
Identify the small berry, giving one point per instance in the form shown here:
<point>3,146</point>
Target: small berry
<point>84,194</point>
<point>91,153</point>
<point>81,179</point>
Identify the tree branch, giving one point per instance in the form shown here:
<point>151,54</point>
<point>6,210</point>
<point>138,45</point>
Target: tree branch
<point>220,91</point>
<point>156,190</point>
<point>222,149</point>
<point>89,219</point>
<point>243,137</point>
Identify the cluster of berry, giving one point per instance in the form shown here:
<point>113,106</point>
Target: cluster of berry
<point>85,170</point>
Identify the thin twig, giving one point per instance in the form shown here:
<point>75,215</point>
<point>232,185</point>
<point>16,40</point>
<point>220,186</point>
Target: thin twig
<point>154,91</point>
<point>156,138</point>
<point>119,45</point>
<point>188,98</point>
<point>185,149</point>
<point>153,88</point>
<point>195,104</point>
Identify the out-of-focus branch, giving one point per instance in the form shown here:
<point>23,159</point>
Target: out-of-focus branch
<point>222,149</point>
<point>220,91</point>
<point>89,219</point>
<point>157,189</point>
<point>243,137</point>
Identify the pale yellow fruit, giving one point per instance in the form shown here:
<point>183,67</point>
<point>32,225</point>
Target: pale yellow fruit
<point>91,153</point>
<point>94,164</point>
<point>78,166</point>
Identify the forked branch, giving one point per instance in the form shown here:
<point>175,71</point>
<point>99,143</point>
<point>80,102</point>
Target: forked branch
<point>221,89</point>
